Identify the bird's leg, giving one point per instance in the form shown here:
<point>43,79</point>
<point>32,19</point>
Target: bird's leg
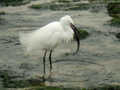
<point>44,62</point>
<point>50,60</point>
<point>50,64</point>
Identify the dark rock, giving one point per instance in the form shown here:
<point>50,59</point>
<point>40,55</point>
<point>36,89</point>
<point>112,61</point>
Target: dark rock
<point>118,35</point>
<point>114,9</point>
<point>76,0</point>
<point>13,79</point>
<point>115,22</point>
<point>13,2</point>
<point>64,1</point>
<point>105,87</point>
<point>83,34</point>
<point>2,13</point>
<point>26,66</point>
<point>17,43</point>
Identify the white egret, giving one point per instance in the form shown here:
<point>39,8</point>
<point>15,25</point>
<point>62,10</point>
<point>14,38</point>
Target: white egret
<point>48,37</point>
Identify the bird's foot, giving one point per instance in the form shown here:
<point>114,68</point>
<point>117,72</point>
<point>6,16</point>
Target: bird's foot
<point>50,76</point>
<point>43,78</point>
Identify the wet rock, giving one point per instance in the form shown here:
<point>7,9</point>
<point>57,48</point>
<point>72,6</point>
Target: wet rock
<point>115,22</point>
<point>118,36</point>
<point>107,87</point>
<point>76,0</point>
<point>13,79</point>
<point>61,5</point>
<point>67,1</point>
<point>8,78</point>
<point>64,1</point>
<point>114,9</point>
<point>83,34</point>
<point>13,2</point>
<point>26,66</point>
<point>1,19</point>
<point>2,13</point>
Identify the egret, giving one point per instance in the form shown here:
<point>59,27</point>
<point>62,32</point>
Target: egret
<point>48,37</point>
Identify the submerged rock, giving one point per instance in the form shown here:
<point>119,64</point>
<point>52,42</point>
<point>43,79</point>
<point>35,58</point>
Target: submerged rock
<point>13,2</point>
<point>2,13</point>
<point>15,79</point>
<point>83,34</point>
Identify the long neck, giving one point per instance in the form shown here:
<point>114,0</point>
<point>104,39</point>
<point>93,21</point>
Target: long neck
<point>68,32</point>
<point>66,26</point>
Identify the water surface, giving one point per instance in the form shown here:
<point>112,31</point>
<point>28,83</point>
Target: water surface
<point>97,62</point>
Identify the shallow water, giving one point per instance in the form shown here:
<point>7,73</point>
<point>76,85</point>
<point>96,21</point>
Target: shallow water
<point>96,64</point>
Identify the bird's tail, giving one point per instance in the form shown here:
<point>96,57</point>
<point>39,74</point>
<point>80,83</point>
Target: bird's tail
<point>23,38</point>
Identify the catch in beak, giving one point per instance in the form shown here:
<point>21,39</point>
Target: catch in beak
<point>76,37</point>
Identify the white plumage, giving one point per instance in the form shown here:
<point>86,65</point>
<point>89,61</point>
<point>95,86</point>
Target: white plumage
<point>48,37</point>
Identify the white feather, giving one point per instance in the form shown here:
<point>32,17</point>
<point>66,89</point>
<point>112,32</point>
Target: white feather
<point>48,37</point>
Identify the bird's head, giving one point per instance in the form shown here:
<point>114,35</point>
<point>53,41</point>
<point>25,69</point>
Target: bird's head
<point>67,20</point>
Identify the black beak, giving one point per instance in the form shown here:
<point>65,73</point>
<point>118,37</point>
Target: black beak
<point>76,37</point>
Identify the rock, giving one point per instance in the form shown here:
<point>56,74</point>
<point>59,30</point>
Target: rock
<point>76,0</point>
<point>13,79</point>
<point>64,1</point>
<point>2,13</point>
<point>83,34</point>
<point>117,35</point>
<point>114,9</point>
<point>61,5</point>
<point>13,2</point>
<point>115,22</point>
<point>107,87</point>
